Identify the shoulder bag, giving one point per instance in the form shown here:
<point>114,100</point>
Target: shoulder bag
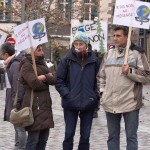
<point>23,117</point>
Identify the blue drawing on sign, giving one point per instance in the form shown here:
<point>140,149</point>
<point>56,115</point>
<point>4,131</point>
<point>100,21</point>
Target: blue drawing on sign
<point>38,30</point>
<point>143,13</point>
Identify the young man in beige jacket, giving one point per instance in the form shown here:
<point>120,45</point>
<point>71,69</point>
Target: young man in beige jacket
<point>121,88</point>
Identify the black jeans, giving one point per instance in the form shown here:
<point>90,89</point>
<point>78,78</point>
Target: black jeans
<point>71,117</point>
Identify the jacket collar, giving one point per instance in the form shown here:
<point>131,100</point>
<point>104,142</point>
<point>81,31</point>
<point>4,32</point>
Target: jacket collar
<point>72,55</point>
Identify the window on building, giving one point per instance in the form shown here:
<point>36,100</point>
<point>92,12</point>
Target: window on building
<point>90,8</point>
<point>4,14</point>
<point>90,11</point>
<point>65,7</point>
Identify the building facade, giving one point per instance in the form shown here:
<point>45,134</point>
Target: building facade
<point>8,19</point>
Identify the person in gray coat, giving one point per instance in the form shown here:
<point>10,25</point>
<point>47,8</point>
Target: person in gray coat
<point>12,69</point>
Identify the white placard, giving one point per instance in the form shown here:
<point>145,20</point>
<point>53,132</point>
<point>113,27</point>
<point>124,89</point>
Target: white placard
<point>30,34</point>
<point>132,13</point>
<point>38,32</point>
<point>22,37</point>
<point>3,37</point>
<point>90,29</point>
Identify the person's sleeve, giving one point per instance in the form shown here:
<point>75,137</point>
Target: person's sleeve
<point>50,80</point>
<point>101,76</point>
<point>141,73</point>
<point>29,76</point>
<point>96,72</point>
<point>62,73</point>
<point>15,82</point>
<point>14,72</point>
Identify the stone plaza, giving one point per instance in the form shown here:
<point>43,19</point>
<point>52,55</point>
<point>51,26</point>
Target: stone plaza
<point>98,139</point>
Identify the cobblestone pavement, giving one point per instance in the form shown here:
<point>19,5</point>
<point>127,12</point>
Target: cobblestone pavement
<point>99,130</point>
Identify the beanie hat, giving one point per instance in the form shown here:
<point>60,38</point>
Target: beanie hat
<point>81,36</point>
<point>28,50</point>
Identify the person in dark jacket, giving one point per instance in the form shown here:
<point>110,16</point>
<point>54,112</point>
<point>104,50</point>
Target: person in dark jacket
<point>12,71</point>
<point>38,132</point>
<point>100,57</point>
<point>76,84</point>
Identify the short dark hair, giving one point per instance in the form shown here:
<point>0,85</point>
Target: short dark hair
<point>8,48</point>
<point>125,29</point>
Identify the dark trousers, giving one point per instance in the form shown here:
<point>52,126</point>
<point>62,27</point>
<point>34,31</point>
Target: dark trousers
<point>71,117</point>
<point>37,140</point>
<point>131,120</point>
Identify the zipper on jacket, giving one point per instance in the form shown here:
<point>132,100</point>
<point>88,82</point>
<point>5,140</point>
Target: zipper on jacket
<point>82,64</point>
<point>38,103</point>
<point>82,67</point>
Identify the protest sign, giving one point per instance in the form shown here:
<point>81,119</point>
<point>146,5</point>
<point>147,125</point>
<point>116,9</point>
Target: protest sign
<point>22,37</point>
<point>96,32</point>
<point>132,13</point>
<point>38,34</point>
<point>30,34</point>
<point>3,37</point>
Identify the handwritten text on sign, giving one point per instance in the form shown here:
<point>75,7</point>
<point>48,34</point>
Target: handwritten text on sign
<point>30,34</point>
<point>22,37</point>
<point>132,13</point>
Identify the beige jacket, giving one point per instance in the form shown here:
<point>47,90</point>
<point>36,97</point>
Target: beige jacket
<point>122,93</point>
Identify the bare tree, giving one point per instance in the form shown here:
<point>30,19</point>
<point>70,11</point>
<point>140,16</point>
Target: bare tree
<point>55,17</point>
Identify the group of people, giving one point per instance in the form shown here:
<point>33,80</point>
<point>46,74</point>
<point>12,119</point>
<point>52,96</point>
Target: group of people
<point>83,80</point>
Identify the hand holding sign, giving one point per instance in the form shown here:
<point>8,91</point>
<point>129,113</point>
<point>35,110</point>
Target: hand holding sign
<point>133,14</point>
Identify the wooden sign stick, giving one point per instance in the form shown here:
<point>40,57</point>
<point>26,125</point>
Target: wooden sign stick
<point>32,53</point>
<point>128,45</point>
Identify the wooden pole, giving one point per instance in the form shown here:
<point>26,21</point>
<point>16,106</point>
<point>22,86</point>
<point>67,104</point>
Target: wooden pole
<point>32,53</point>
<point>128,45</point>
<point>129,39</point>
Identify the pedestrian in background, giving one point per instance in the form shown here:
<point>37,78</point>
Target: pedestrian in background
<point>38,132</point>
<point>2,74</point>
<point>12,64</point>
<point>77,86</point>
<point>100,57</point>
<point>121,88</point>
